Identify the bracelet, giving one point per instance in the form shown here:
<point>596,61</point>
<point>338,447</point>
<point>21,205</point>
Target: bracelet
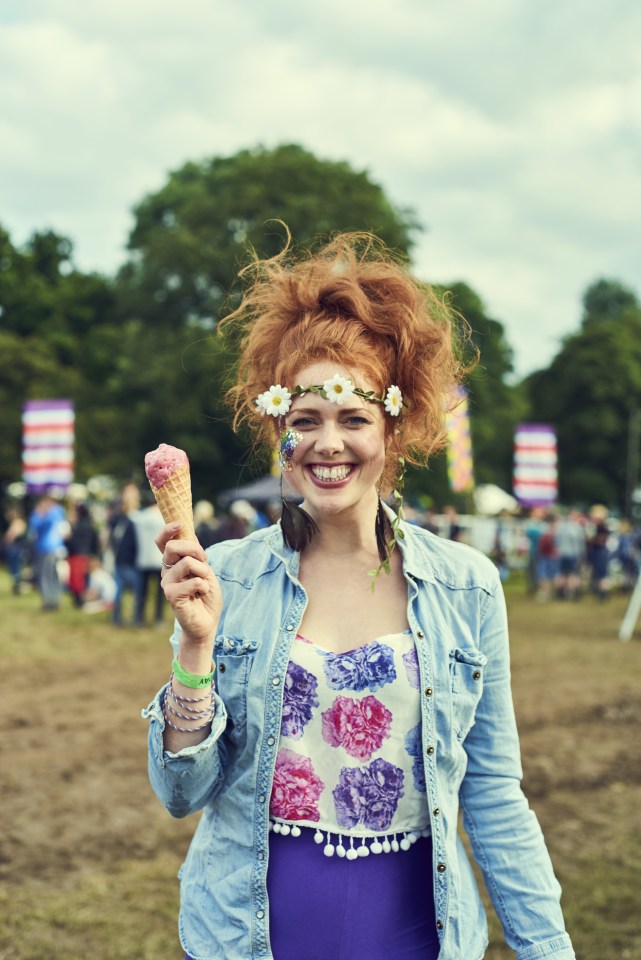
<point>200,726</point>
<point>182,699</point>
<point>195,680</point>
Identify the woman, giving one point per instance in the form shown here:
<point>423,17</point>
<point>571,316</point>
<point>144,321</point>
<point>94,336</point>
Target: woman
<point>352,722</point>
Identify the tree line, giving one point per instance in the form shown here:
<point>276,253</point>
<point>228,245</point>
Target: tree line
<point>137,354</point>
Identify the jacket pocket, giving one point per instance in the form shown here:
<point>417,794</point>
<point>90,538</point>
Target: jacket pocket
<point>234,659</point>
<point>466,676</point>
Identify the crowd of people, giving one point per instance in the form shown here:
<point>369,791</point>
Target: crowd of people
<point>98,557</point>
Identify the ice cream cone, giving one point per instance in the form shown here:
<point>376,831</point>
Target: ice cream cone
<point>174,500</point>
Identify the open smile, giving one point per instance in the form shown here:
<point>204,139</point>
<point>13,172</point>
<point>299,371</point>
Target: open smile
<point>331,476</point>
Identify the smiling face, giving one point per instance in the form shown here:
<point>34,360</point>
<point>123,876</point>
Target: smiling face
<point>338,463</point>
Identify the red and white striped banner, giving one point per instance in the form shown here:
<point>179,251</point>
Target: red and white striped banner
<point>535,464</point>
<point>47,444</point>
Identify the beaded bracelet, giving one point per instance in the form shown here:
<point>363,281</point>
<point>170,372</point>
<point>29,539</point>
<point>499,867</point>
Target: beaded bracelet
<point>167,709</point>
<point>195,680</point>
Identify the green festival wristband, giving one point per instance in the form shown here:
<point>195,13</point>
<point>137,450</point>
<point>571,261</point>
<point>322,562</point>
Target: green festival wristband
<point>194,680</point>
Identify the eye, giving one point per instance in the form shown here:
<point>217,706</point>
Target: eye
<point>356,421</point>
<point>301,422</point>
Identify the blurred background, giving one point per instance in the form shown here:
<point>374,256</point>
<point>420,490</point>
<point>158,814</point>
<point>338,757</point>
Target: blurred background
<point>146,150</point>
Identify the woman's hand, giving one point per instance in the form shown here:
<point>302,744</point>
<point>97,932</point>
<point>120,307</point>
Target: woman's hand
<point>190,586</point>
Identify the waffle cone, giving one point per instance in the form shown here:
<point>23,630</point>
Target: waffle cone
<point>174,500</point>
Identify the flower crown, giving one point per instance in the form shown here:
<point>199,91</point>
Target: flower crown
<point>276,401</point>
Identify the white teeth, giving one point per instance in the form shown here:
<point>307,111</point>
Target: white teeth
<point>331,473</point>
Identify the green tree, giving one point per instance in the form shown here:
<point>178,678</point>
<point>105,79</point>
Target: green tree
<point>589,393</point>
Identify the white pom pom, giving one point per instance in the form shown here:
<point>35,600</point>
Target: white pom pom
<point>340,850</point>
<point>376,846</point>
<point>395,846</point>
<point>405,844</point>
<point>295,831</point>
<point>270,826</point>
<point>318,837</point>
<point>386,846</point>
<point>363,850</point>
<point>285,829</point>
<point>351,854</point>
<point>328,849</point>
<point>277,827</point>
<point>412,837</point>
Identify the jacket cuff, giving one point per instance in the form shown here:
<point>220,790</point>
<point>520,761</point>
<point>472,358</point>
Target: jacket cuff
<point>154,713</point>
<point>560,948</point>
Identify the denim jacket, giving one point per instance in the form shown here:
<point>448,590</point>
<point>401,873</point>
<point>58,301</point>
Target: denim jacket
<point>456,612</point>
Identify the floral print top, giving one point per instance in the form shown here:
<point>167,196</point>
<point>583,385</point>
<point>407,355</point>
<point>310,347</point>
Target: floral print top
<point>350,759</point>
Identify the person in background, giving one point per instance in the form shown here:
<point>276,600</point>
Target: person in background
<point>148,523</point>
<point>627,555</point>
<point>123,546</point>
<point>48,527</point>
<point>569,540</point>
<point>15,545</point>
<point>82,544</point>
<point>205,523</point>
<point>239,522</point>
<point>598,552</point>
<point>533,530</point>
<point>454,530</point>
<point>101,589</point>
<point>547,566</point>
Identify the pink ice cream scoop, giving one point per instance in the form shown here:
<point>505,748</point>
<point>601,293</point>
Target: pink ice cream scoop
<point>162,462</point>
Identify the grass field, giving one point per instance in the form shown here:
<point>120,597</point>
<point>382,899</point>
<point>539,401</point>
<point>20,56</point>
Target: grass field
<point>88,857</point>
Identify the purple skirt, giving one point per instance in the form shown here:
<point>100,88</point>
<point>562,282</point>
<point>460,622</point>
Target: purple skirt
<point>379,907</point>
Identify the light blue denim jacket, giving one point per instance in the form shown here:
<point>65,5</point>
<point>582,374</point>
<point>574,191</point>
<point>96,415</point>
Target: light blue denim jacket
<point>456,612</point>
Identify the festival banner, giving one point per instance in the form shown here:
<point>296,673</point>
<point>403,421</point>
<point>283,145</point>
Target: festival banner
<point>535,465</point>
<point>460,465</point>
<point>47,444</point>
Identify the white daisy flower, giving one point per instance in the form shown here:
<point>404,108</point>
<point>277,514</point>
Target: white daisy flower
<point>338,389</point>
<point>393,401</point>
<point>277,400</point>
<point>262,401</point>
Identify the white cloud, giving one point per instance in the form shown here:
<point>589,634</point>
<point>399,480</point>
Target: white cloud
<point>513,128</point>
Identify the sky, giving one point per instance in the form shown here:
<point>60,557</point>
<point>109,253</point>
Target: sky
<point>511,127</point>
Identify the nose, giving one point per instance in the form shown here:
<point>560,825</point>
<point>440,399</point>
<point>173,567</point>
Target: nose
<point>329,442</point>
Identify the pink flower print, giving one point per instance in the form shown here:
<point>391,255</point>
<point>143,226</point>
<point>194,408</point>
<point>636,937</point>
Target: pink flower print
<point>359,726</point>
<point>296,788</point>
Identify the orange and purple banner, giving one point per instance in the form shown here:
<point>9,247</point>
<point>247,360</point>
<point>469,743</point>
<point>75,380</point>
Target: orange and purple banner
<point>47,444</point>
<point>460,464</point>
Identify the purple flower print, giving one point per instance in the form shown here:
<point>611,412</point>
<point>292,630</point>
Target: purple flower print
<point>410,659</point>
<point>296,788</point>
<point>299,700</point>
<point>367,667</point>
<point>368,796</point>
<point>359,726</point>
<point>414,746</point>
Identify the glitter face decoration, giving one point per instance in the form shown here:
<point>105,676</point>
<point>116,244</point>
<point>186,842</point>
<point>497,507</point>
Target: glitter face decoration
<point>289,440</point>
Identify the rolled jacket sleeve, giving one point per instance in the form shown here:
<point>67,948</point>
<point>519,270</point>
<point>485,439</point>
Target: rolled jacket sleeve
<point>184,782</point>
<point>506,838</point>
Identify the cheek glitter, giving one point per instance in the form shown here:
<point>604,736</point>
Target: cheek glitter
<point>289,440</point>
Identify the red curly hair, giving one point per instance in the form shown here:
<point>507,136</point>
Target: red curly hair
<point>355,303</point>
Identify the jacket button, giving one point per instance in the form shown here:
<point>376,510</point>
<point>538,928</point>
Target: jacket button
<point>439,924</point>
<point>428,691</point>
<point>271,741</point>
<point>441,868</point>
<point>436,811</point>
<point>276,681</point>
<point>419,633</point>
<point>260,914</point>
<point>476,675</point>
<point>290,626</point>
<point>261,855</point>
<point>221,668</point>
<point>261,798</point>
<point>430,750</point>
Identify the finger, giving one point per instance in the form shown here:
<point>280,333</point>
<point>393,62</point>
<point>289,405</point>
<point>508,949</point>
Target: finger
<point>184,568</point>
<point>168,532</point>
<point>196,588</point>
<point>175,550</point>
